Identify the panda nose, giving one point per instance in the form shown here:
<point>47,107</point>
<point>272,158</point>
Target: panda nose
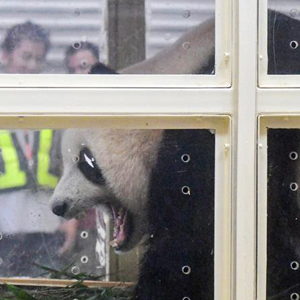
<point>60,209</point>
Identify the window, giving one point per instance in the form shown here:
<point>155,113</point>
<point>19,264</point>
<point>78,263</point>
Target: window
<point>191,162</point>
<point>69,37</point>
<point>247,104</point>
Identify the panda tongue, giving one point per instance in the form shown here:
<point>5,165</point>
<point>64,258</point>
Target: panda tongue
<point>119,216</point>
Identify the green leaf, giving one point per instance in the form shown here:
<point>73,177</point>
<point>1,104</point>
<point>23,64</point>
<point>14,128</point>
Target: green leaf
<point>55,273</point>
<point>19,293</point>
<point>96,297</point>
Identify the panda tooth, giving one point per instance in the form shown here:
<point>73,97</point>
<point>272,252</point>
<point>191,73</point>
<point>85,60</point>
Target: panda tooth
<point>119,221</point>
<point>114,243</point>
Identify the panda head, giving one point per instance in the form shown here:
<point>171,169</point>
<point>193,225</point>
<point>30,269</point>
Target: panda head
<point>110,169</point>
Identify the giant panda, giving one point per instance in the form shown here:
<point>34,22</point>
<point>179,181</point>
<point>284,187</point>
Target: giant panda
<point>157,186</point>
<point>138,177</point>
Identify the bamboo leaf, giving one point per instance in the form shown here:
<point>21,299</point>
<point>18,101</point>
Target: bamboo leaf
<point>20,293</point>
<point>96,297</point>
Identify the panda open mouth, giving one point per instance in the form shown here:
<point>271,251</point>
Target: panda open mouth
<point>121,223</point>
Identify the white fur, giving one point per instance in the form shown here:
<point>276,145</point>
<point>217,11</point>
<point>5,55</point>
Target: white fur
<point>186,56</point>
<point>125,157</point>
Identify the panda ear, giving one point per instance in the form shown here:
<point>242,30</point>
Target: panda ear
<point>100,68</point>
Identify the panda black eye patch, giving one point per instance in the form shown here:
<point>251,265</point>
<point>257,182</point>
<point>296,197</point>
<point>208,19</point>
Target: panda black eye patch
<point>89,168</point>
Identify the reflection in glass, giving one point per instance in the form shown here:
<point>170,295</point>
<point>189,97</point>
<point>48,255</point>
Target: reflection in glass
<point>31,235</point>
<point>156,186</point>
<point>283,37</point>
<point>71,36</point>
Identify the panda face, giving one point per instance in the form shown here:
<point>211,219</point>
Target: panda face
<point>109,169</point>
<point>120,215</point>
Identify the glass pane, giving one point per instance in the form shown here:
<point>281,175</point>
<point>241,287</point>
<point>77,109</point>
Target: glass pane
<point>283,37</point>
<point>41,36</point>
<point>155,186</point>
<point>283,255</point>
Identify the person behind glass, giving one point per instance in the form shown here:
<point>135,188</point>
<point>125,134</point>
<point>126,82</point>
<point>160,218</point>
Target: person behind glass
<point>80,57</point>
<point>29,170</point>
<point>24,48</point>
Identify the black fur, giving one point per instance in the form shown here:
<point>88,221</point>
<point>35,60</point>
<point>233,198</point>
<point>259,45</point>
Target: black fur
<point>181,227</point>
<point>283,214</point>
<point>100,68</point>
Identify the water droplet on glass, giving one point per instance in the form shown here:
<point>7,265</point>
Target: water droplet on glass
<point>295,296</point>
<point>294,186</point>
<point>75,159</point>
<point>84,259</point>
<point>186,14</point>
<point>186,270</point>
<point>294,45</point>
<point>186,45</point>
<point>168,36</point>
<point>83,63</point>
<point>294,265</point>
<point>77,12</point>
<point>75,270</point>
<point>84,234</point>
<point>293,155</point>
<point>294,13</point>
<point>186,190</point>
<point>77,45</point>
<point>185,158</point>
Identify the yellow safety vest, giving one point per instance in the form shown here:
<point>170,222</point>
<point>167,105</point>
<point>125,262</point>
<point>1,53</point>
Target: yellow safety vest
<point>13,176</point>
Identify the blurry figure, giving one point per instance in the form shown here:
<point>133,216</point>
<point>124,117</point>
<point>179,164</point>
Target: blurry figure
<point>24,48</point>
<point>80,57</point>
<point>29,171</point>
<point>30,165</point>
